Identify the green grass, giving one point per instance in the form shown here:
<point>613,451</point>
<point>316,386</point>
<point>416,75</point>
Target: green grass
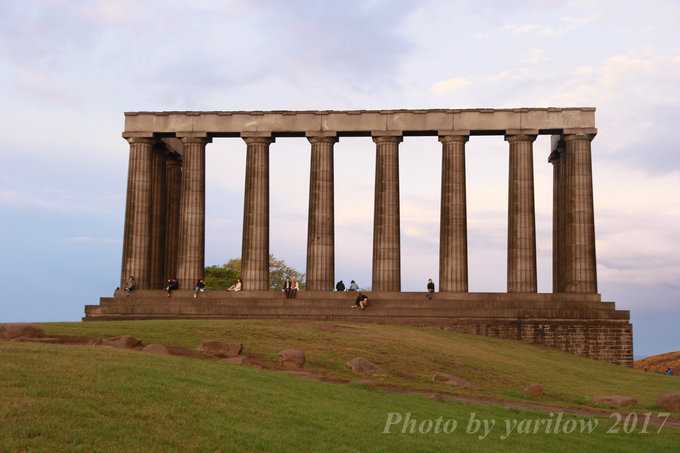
<point>85,398</point>
<point>409,356</point>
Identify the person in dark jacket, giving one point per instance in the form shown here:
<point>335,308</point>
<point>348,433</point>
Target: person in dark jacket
<point>340,286</point>
<point>430,288</point>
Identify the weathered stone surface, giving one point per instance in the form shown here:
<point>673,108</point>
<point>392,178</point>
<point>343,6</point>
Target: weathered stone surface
<point>20,329</point>
<point>455,380</point>
<point>124,342</point>
<point>362,366</point>
<point>670,401</point>
<point>220,348</point>
<point>533,390</point>
<point>292,357</point>
<point>156,349</point>
<point>615,400</point>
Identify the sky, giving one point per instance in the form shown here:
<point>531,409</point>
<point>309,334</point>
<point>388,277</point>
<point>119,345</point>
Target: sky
<point>70,69</point>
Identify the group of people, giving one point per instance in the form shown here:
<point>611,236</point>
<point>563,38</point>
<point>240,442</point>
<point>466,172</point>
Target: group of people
<point>291,287</point>
<point>352,286</point>
<point>172,284</point>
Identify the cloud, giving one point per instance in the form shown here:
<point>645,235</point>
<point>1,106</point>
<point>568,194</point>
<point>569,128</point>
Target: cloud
<point>446,86</point>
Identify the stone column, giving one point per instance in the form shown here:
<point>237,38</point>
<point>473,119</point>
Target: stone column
<point>137,235</point>
<point>556,158</point>
<point>191,252</point>
<point>580,265</point>
<point>386,240</point>
<point>255,251</point>
<point>321,221</point>
<point>453,260</point>
<point>158,217</point>
<point>173,195</point>
<point>521,214</point>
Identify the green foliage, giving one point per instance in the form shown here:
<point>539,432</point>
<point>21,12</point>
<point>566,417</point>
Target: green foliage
<point>222,277</point>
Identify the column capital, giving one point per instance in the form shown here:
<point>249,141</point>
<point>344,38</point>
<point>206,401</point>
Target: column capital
<point>144,140</point>
<point>520,135</point>
<point>453,137</point>
<point>577,136</point>
<point>254,140</point>
<point>193,139</point>
<point>387,138</point>
<point>322,138</point>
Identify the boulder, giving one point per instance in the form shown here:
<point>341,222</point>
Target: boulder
<point>533,390</point>
<point>20,329</point>
<point>615,400</point>
<point>454,380</point>
<point>360,365</point>
<point>292,357</point>
<point>220,348</point>
<point>156,349</point>
<point>670,401</point>
<point>123,342</point>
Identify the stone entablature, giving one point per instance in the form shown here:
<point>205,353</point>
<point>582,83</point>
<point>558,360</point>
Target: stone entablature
<point>360,122</point>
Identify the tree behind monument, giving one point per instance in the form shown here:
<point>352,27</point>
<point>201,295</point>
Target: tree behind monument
<point>222,277</point>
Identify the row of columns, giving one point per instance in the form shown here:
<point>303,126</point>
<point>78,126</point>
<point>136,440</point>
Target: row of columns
<point>165,214</point>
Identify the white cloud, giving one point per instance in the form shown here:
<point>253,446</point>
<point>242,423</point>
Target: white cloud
<point>446,86</point>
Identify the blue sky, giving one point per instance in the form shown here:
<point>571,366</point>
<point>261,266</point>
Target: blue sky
<point>69,69</point>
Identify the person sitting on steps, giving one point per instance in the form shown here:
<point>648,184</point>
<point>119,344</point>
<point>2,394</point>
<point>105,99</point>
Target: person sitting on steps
<point>130,285</point>
<point>236,286</point>
<point>173,284</point>
<point>362,301</point>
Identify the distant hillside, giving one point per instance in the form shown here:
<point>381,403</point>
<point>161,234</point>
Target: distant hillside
<point>659,363</point>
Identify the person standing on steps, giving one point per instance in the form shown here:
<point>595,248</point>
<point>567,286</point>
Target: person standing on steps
<point>340,286</point>
<point>430,289</point>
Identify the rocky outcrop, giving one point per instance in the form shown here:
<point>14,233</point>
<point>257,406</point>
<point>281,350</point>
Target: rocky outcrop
<point>292,357</point>
<point>454,380</point>
<point>220,348</point>
<point>156,349</point>
<point>123,342</point>
<point>360,365</point>
<point>533,390</point>
<point>670,401</point>
<point>20,329</point>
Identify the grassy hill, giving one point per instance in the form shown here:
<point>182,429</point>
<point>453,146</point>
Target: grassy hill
<point>58,397</point>
<point>659,363</point>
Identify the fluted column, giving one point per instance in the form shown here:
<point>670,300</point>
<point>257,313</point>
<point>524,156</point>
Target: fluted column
<point>137,234</point>
<point>321,222</point>
<point>453,259</point>
<point>386,228</point>
<point>255,251</point>
<point>580,271</point>
<point>191,253</point>
<point>556,158</point>
<point>173,195</point>
<point>158,217</point>
<point>521,215</point>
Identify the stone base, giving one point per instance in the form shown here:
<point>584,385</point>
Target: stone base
<point>576,323</point>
